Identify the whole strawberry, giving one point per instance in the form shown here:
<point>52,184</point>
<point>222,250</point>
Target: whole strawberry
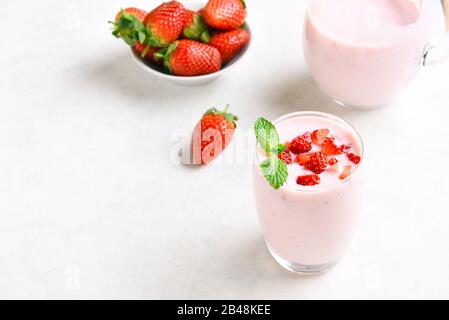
<point>195,28</point>
<point>165,23</point>
<point>230,43</point>
<point>212,135</point>
<point>188,17</point>
<point>225,14</point>
<point>128,25</point>
<point>128,22</point>
<point>136,12</point>
<point>189,58</point>
<point>147,52</point>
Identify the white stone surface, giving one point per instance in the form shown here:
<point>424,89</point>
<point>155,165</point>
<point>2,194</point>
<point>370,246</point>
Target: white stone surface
<point>91,206</point>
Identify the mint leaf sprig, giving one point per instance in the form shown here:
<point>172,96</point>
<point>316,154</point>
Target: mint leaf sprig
<point>273,169</point>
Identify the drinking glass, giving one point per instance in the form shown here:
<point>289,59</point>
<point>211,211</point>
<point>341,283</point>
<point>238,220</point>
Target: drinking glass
<point>308,230</point>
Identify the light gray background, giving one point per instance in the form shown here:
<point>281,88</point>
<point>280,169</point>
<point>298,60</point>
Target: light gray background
<point>93,206</point>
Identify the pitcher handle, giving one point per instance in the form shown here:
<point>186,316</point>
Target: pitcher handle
<point>437,52</point>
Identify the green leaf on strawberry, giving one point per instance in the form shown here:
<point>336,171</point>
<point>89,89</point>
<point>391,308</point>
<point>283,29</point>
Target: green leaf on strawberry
<point>129,28</point>
<point>165,54</point>
<point>142,36</point>
<point>198,30</point>
<point>228,116</point>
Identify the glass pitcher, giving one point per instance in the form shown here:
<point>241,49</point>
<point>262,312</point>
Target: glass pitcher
<point>364,53</point>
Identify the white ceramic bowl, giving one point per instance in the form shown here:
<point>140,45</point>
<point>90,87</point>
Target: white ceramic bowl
<point>158,71</point>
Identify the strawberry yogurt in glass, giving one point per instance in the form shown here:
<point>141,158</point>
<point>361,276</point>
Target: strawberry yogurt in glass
<point>309,221</point>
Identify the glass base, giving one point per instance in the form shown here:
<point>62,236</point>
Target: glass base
<point>302,269</point>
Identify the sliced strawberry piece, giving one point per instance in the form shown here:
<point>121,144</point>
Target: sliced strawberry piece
<point>332,161</point>
<point>330,148</point>
<point>346,172</point>
<point>318,136</point>
<point>334,168</point>
<point>301,144</point>
<point>302,159</point>
<point>308,180</point>
<point>286,157</point>
<point>318,163</point>
<point>354,158</point>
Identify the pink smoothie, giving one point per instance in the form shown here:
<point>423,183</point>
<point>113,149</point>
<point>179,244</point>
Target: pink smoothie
<point>364,53</point>
<point>311,225</point>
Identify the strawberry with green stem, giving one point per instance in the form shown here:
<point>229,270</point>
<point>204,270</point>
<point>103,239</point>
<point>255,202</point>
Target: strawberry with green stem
<point>164,24</point>
<point>230,43</point>
<point>189,58</point>
<point>212,135</point>
<point>273,169</point>
<point>225,14</point>
<point>128,25</point>
<point>195,28</point>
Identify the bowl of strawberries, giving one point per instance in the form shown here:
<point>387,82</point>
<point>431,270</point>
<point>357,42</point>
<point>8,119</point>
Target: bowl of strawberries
<point>189,44</point>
